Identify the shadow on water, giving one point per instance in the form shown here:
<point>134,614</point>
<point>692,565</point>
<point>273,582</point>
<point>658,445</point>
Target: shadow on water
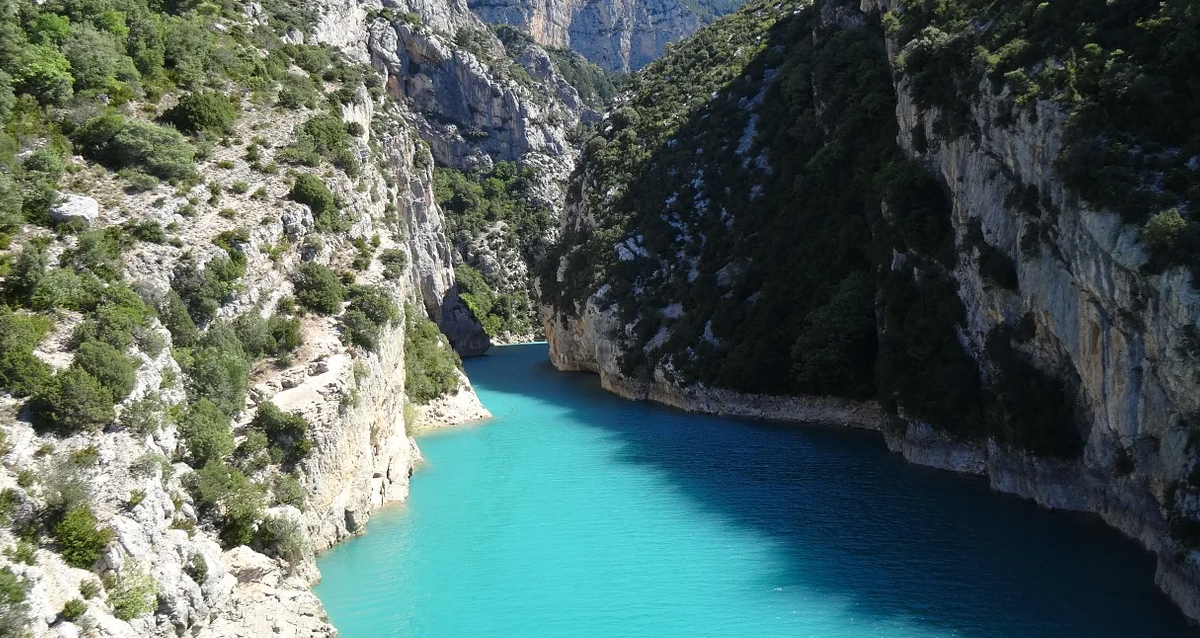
<point>897,540</point>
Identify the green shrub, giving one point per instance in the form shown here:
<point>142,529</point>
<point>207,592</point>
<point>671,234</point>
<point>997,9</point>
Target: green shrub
<point>23,552</point>
<point>175,317</point>
<point>286,432</point>
<point>117,142</point>
<point>252,332</point>
<point>285,331</point>
<point>14,606</point>
<point>75,401</point>
<point>196,569</point>
<point>220,370</point>
<point>115,370</point>
<point>312,192</point>
<point>286,490</point>
<point>430,364</point>
<point>22,373</point>
<point>285,537</point>
<point>1171,240</point>
<point>43,72</point>
<point>26,271</point>
<point>99,252</point>
<point>834,351</point>
<point>322,136</point>
<point>89,589</point>
<point>203,111</point>
<point>64,288</point>
<point>119,319</point>
<point>98,61</point>
<point>11,202</point>
<point>148,231</point>
<point>370,309</point>
<point>298,91</point>
<point>203,290</point>
<point>205,431</point>
<point>231,499</point>
<point>133,593</point>
<point>318,289</point>
<point>73,609</point>
<point>252,454</point>
<point>80,539</point>
<point>922,367</point>
<point>394,261</point>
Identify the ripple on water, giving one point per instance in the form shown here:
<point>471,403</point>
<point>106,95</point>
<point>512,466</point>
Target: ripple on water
<point>576,514</point>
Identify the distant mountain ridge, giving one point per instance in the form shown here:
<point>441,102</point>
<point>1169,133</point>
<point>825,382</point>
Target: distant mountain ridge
<point>618,35</point>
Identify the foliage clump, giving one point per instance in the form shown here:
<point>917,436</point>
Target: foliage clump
<point>318,289</point>
<point>286,432</point>
<point>118,142</point>
<point>312,192</point>
<point>369,311</point>
<point>202,111</point>
<point>205,432</point>
<point>431,365</point>
<point>80,537</point>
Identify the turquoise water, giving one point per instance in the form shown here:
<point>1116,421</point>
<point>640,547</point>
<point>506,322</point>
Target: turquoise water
<point>578,514</point>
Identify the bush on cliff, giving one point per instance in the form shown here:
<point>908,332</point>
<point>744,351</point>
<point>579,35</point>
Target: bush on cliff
<point>80,538</point>
<point>203,111</point>
<point>430,363</point>
<point>205,432</point>
<point>318,289</point>
<point>286,432</point>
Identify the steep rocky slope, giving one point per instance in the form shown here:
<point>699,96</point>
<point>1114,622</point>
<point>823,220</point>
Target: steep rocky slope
<point>920,251</point>
<point>618,36</point>
<point>270,302</point>
<point>473,103</point>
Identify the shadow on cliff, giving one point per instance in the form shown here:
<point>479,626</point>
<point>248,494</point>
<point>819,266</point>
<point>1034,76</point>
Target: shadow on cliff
<point>897,542</point>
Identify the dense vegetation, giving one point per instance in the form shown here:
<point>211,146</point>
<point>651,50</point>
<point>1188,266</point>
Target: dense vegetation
<point>742,183</point>
<point>431,366</point>
<point>739,234</point>
<point>596,87</point>
<point>1108,64</point>
<point>495,209</point>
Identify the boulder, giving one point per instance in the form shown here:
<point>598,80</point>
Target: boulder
<point>71,208</point>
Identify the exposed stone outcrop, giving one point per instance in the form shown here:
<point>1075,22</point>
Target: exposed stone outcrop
<point>583,344</point>
<point>75,208</point>
<point>618,35</point>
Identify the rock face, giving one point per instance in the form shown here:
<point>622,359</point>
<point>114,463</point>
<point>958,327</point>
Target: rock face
<point>1123,334</point>
<point>583,344</point>
<point>469,109</point>
<point>618,35</point>
<point>1122,339</point>
<point>353,399</point>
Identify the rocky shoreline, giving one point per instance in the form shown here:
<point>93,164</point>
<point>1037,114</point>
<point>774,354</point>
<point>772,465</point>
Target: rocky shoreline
<point>580,343</point>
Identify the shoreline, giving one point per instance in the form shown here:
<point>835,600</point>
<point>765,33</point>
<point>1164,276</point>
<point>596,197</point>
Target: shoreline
<point>1060,486</point>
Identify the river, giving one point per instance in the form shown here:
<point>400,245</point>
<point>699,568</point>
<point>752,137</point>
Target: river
<point>577,514</point>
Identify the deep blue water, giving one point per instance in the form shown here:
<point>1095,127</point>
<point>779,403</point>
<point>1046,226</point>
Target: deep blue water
<point>577,514</point>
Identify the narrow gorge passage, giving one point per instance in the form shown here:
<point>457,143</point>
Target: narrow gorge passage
<point>576,513</point>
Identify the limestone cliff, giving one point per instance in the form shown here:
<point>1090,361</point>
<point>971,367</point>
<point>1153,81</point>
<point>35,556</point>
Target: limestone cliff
<point>1080,305</point>
<point>473,103</point>
<point>352,398</point>
<point>620,35</point>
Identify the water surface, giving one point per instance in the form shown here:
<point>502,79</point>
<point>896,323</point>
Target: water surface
<point>577,514</point>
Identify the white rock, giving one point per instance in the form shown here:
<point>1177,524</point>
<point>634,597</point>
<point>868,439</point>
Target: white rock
<point>80,208</point>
